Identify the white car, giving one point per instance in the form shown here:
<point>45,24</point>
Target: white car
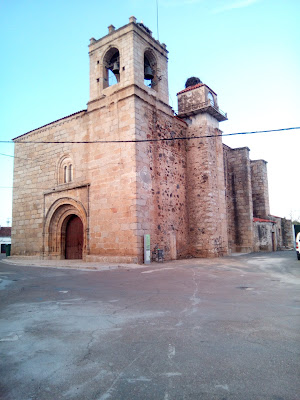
<point>298,245</point>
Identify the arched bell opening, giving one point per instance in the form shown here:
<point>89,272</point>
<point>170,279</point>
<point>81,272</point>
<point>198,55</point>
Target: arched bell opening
<point>150,69</point>
<point>111,65</point>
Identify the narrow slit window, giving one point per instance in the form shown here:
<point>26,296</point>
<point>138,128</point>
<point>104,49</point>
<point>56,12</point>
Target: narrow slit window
<point>70,173</point>
<point>65,174</point>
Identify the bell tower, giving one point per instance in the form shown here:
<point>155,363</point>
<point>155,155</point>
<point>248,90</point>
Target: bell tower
<point>129,59</point>
<point>128,96</point>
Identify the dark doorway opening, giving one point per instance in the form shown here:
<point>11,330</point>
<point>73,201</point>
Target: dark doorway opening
<point>273,241</point>
<point>74,238</point>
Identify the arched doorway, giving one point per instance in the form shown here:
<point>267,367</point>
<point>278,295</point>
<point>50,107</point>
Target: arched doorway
<point>74,238</point>
<point>66,226</point>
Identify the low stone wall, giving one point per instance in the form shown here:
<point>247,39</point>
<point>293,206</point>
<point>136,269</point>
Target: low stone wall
<point>262,235</point>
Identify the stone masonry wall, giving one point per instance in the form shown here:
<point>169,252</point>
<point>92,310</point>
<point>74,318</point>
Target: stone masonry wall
<point>190,100</point>
<point>161,182</point>
<point>206,189</point>
<point>239,198</point>
<point>260,193</point>
<point>108,168</point>
<point>262,236</point>
<point>113,180</point>
<point>35,172</point>
<point>287,233</point>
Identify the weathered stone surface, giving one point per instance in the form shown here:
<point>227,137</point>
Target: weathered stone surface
<point>260,193</point>
<point>239,198</point>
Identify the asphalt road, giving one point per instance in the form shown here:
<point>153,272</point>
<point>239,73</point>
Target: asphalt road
<point>218,329</point>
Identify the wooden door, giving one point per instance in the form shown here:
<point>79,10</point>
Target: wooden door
<point>273,241</point>
<point>74,238</point>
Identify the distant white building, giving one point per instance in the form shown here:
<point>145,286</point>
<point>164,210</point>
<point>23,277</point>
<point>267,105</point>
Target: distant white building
<point>5,237</point>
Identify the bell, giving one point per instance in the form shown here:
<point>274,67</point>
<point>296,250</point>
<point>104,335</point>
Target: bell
<point>148,73</point>
<point>116,68</point>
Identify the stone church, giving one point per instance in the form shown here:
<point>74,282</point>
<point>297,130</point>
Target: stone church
<point>92,184</point>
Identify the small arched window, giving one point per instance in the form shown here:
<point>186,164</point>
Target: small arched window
<point>65,171</point>
<point>111,65</point>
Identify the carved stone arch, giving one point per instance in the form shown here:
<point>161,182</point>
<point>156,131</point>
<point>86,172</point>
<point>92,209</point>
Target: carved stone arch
<point>65,171</point>
<point>150,60</point>
<point>56,221</point>
<point>111,58</point>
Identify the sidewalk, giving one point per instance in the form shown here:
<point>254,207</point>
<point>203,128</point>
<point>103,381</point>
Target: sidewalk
<point>102,266</point>
<point>69,264</point>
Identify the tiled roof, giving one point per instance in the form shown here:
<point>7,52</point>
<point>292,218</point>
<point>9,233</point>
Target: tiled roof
<point>191,88</point>
<point>5,231</point>
<point>263,220</point>
<point>180,119</point>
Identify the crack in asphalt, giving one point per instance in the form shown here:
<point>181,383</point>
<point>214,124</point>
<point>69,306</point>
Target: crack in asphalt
<point>108,393</point>
<point>135,303</point>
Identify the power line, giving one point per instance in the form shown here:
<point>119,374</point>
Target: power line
<point>7,155</point>
<point>22,158</point>
<point>146,140</point>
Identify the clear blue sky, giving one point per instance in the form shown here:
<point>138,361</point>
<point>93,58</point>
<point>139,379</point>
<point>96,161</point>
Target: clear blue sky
<point>247,51</point>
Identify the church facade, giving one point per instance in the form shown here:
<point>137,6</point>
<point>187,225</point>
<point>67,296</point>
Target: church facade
<point>92,184</point>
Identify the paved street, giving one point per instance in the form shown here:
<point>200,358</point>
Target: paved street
<point>217,329</point>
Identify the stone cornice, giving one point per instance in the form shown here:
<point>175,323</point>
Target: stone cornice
<point>65,187</point>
